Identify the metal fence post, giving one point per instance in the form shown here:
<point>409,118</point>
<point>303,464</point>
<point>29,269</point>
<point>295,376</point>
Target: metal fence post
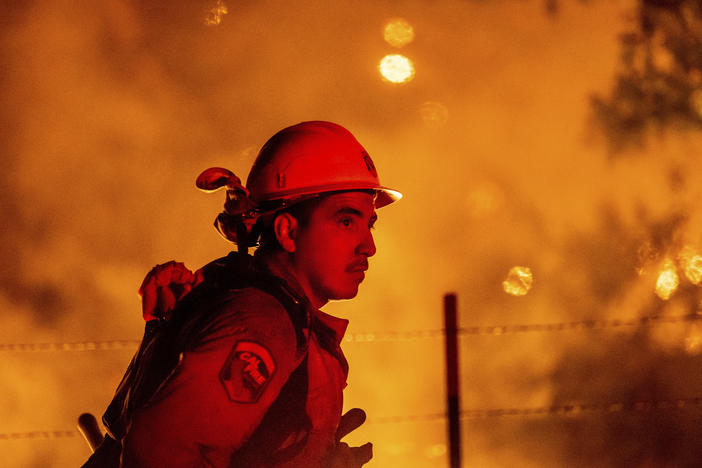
<point>452,381</point>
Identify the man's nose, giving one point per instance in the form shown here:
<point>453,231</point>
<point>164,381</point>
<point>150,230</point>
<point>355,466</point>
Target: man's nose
<point>367,245</point>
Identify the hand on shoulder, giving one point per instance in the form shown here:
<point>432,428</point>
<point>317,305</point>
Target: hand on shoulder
<point>164,286</point>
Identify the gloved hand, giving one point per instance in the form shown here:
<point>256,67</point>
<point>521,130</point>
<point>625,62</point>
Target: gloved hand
<point>165,285</point>
<point>344,456</point>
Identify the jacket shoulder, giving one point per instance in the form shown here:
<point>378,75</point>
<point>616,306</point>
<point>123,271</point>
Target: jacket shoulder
<point>254,314</point>
<point>251,303</point>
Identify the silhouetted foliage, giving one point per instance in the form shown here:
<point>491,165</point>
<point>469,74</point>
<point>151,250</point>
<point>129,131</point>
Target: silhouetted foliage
<point>631,369</point>
<point>659,84</point>
<point>638,374</point>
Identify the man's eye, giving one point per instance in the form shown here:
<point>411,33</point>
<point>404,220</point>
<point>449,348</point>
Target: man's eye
<point>346,222</point>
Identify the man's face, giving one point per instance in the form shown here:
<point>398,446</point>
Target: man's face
<point>332,249</point>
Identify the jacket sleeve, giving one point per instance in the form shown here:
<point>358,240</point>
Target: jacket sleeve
<point>221,391</point>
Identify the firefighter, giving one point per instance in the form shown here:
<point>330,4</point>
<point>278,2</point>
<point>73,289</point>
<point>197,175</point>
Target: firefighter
<point>239,367</point>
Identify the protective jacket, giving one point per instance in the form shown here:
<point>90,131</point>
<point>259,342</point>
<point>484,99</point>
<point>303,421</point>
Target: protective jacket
<point>244,374</point>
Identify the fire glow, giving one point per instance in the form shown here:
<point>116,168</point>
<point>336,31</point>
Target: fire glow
<point>667,281</point>
<point>398,32</point>
<point>216,13</point>
<point>691,263</point>
<point>519,281</point>
<point>434,114</point>
<point>139,97</point>
<point>396,68</point>
<point>693,341</point>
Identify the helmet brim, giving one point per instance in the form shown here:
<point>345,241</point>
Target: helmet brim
<point>385,195</point>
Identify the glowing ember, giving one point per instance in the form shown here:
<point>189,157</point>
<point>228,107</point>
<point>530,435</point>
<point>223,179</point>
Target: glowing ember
<point>396,68</point>
<point>667,281</point>
<point>398,32</point>
<point>519,281</point>
<point>215,14</point>
<point>691,263</point>
<point>693,341</point>
<point>434,114</point>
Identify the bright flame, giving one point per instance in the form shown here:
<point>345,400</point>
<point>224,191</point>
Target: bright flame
<point>519,281</point>
<point>691,263</point>
<point>215,14</point>
<point>434,114</point>
<point>398,32</point>
<point>668,280</point>
<point>396,68</point>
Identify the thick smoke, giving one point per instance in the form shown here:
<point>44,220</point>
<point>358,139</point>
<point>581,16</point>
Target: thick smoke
<point>111,109</point>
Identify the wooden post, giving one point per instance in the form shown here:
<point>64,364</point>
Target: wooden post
<point>452,381</point>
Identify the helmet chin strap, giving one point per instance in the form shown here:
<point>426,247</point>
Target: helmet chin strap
<point>242,239</point>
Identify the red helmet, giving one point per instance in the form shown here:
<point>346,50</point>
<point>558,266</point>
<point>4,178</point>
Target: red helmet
<point>300,161</point>
<point>311,158</point>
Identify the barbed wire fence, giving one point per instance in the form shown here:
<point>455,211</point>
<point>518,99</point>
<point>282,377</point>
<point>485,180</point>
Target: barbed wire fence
<point>389,336</point>
<point>558,410</point>
<point>413,335</point>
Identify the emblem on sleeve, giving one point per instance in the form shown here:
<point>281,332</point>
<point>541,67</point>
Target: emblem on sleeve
<point>246,372</point>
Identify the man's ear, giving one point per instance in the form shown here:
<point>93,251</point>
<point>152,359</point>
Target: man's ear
<point>285,227</point>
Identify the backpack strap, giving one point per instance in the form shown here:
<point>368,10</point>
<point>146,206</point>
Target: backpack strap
<point>237,271</point>
<point>164,342</point>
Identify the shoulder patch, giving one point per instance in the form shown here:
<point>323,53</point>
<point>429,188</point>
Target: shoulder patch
<point>247,371</point>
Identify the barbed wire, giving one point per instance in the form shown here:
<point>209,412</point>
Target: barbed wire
<point>406,418</point>
<point>496,330</point>
<point>107,345</point>
<point>368,337</point>
<point>579,325</point>
<point>556,410</point>
<point>39,435</point>
<point>392,336</point>
<point>574,409</point>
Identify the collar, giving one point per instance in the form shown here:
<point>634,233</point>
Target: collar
<point>335,324</point>
<point>334,327</point>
